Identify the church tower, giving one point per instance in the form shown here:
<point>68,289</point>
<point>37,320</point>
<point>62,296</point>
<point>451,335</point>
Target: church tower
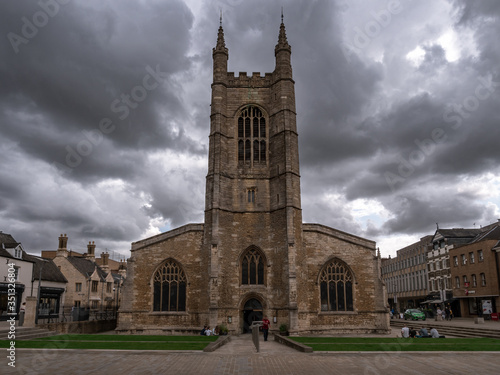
<point>253,219</point>
<point>253,256</point>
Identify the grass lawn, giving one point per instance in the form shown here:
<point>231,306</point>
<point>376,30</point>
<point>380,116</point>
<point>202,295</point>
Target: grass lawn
<point>124,342</point>
<point>367,344</point>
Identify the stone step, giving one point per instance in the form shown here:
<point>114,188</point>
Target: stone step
<point>455,331</point>
<point>26,333</point>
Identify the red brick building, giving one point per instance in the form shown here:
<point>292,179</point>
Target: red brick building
<point>475,274</point>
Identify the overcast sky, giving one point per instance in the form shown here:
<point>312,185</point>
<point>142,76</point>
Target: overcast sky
<point>104,114</point>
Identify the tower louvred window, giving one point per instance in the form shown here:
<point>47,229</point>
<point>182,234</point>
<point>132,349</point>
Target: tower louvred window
<point>252,136</point>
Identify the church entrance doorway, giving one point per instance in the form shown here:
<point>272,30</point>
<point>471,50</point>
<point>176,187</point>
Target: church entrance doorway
<point>252,311</point>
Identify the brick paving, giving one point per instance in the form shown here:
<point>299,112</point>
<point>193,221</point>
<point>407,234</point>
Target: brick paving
<point>239,357</point>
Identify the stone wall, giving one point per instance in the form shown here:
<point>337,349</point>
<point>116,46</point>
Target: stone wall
<point>370,313</point>
<point>93,326</point>
<point>184,246</point>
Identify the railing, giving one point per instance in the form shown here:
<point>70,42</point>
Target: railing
<point>74,314</point>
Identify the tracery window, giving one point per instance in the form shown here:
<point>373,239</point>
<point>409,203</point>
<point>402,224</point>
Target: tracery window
<point>336,287</point>
<point>252,267</point>
<point>169,283</point>
<point>251,136</point>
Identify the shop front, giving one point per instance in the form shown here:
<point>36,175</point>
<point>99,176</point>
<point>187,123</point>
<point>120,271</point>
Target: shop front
<point>6,295</point>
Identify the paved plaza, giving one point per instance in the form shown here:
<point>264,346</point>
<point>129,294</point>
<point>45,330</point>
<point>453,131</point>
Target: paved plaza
<point>240,357</point>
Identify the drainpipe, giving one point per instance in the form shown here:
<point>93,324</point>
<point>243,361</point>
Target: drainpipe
<point>102,293</point>
<point>88,294</point>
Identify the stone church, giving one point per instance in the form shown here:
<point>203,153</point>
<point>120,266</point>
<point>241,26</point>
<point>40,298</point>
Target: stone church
<point>253,256</point>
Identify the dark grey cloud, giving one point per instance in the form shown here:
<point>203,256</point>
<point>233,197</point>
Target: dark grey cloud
<point>412,142</point>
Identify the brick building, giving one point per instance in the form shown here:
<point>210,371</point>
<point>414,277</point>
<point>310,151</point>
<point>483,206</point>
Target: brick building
<point>405,276</point>
<point>439,265</point>
<point>475,273</point>
<point>253,256</point>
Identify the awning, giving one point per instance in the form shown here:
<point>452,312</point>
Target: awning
<point>431,301</point>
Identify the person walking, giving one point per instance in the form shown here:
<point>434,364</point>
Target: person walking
<point>265,327</point>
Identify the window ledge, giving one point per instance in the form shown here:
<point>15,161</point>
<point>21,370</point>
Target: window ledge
<point>338,313</point>
<point>251,286</point>
<point>169,313</point>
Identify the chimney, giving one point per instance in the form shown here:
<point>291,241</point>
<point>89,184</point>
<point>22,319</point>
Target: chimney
<point>90,251</point>
<point>104,257</point>
<point>62,251</point>
<point>104,262</point>
<point>122,269</point>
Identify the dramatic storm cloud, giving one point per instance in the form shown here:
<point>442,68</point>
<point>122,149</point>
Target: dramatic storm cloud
<point>104,113</point>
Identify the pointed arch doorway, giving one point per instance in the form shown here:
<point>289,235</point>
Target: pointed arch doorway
<point>252,311</point>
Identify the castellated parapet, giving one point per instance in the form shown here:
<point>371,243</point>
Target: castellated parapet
<point>253,255</point>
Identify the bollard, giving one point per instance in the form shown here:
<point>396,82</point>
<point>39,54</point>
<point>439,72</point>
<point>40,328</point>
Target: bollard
<point>255,334</point>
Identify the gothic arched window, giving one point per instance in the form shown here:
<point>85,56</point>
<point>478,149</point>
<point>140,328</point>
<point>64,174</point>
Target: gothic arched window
<point>252,267</point>
<point>169,283</point>
<point>251,136</point>
<point>336,287</point>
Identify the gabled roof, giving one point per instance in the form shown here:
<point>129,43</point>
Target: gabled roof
<point>50,272</point>
<point>8,242</point>
<point>6,238</point>
<point>458,233</point>
<point>112,264</point>
<point>86,266</point>
<point>491,234</point>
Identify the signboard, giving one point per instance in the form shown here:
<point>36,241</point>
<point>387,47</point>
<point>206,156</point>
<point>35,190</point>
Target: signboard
<point>466,284</point>
<point>487,308</point>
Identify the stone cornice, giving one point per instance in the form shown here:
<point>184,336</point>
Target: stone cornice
<point>166,235</point>
<point>323,229</point>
